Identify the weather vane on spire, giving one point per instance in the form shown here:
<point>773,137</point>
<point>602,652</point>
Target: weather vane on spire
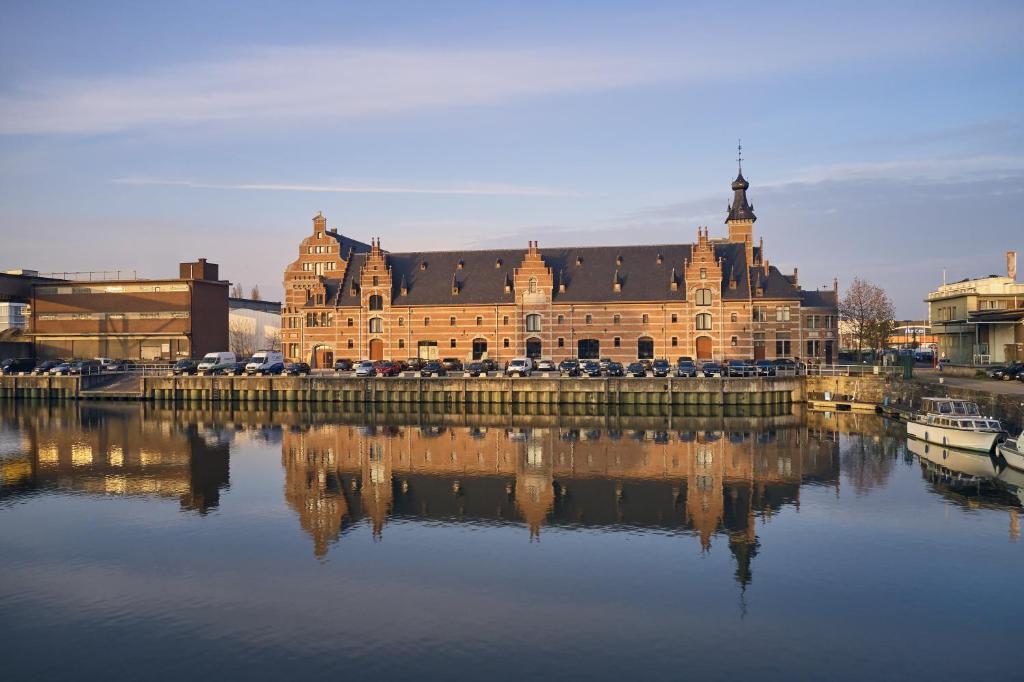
<point>739,153</point>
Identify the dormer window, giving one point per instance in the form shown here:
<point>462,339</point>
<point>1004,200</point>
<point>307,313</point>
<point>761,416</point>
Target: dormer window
<point>497,263</point>
<point>618,260</point>
<point>579,260</point>
<point>660,259</point>
<point>460,264</point>
<point>423,265</point>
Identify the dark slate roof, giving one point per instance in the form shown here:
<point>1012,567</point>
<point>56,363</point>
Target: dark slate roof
<point>774,283</point>
<point>821,298</point>
<point>347,244</point>
<point>740,209</point>
<point>480,282</point>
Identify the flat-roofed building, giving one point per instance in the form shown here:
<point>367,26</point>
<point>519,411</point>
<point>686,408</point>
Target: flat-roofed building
<point>136,319</point>
<point>981,320</point>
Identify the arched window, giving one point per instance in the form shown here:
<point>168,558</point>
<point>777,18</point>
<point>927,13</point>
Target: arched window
<point>376,302</point>
<point>533,322</point>
<point>703,297</point>
<point>533,285</point>
<point>704,321</point>
<point>376,325</point>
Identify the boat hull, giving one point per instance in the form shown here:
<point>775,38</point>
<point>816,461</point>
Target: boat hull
<point>965,462</point>
<point>1013,456</point>
<point>977,441</point>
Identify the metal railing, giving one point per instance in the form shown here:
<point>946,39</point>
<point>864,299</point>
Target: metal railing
<point>851,370</point>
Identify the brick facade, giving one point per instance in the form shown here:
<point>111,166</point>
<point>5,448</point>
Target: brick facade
<point>716,298</point>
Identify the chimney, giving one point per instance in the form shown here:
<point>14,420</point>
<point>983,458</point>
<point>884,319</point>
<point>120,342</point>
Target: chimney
<point>1011,265</point>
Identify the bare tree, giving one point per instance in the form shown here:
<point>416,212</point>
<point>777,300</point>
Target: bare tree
<point>241,338</point>
<point>272,340</point>
<point>254,293</point>
<point>869,313</point>
<point>236,290</point>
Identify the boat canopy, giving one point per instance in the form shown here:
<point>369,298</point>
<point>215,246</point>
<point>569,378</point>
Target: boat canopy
<point>950,406</point>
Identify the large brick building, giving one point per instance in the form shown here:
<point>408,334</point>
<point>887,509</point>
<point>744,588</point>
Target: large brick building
<point>133,319</point>
<point>715,298</point>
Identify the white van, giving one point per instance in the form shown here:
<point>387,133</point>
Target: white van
<point>214,361</point>
<point>265,362</point>
<point>521,366</point>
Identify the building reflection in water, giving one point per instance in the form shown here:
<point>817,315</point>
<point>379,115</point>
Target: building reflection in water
<point>113,449</point>
<point>714,477</point>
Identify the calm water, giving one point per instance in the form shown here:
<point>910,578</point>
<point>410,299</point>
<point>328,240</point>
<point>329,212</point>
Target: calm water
<point>138,542</point>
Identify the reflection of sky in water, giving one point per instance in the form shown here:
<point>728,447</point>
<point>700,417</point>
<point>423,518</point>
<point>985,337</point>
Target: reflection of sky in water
<point>786,547</point>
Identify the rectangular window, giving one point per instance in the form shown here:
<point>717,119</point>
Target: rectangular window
<point>675,318</point>
<point>589,319</point>
<point>645,319</point>
<point>616,319</point>
<point>617,342</point>
<point>675,341</point>
<point>504,343</point>
<point>782,314</point>
<point>426,321</point>
<point>561,319</point>
<point>504,320</point>
<point>812,321</point>
<point>479,320</point>
<point>452,343</point>
<point>451,321</point>
<point>350,322</point>
<point>561,342</point>
<point>783,347</point>
<point>760,314</point>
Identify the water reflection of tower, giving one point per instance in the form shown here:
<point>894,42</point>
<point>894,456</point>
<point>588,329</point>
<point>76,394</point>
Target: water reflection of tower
<point>535,489</point>
<point>704,475</point>
<point>313,486</point>
<point>377,493</point>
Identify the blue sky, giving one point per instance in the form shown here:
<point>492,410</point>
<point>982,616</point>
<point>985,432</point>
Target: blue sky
<point>881,139</point>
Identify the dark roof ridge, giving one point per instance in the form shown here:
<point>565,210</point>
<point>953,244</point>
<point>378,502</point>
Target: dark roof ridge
<point>514,248</point>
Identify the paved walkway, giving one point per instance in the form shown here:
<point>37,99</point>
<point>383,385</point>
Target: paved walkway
<point>986,384</point>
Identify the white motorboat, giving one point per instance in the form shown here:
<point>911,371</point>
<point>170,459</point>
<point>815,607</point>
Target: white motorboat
<point>956,424</point>
<point>1011,452</point>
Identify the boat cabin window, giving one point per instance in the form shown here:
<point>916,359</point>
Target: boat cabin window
<point>972,409</point>
<point>944,408</point>
<point>993,425</point>
<point>958,408</point>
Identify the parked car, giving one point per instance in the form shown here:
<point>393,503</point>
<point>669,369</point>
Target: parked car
<point>61,369</point>
<point>546,366</point>
<point>661,368</point>
<point>636,369</point>
<point>592,368</point>
<point>232,369</point>
<point>184,367</point>
<point>343,365</point>
<point>684,358</point>
<point>17,366</point>
<point>212,362</point>
<point>294,369</point>
<point>740,368</point>
<point>388,369</point>
<point>765,368</point>
<point>1011,371</point>
<point>83,367</point>
<point>604,362</point>
<point>414,364</point>
<point>365,368</point>
<point>104,363</point>
<point>452,364</point>
<point>522,367</point>
<point>43,368</point>
<point>569,368</point>
<point>685,367</point>
<point>785,366</point>
<point>476,369</point>
<point>433,369</point>
<point>712,369</point>
<point>615,369</point>
<point>120,366</point>
<point>265,362</point>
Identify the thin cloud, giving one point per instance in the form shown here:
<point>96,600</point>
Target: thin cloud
<point>303,83</point>
<point>475,189</point>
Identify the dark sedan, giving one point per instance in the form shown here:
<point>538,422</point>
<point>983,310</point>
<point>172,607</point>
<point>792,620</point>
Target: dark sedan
<point>476,369</point>
<point>17,365</point>
<point>1009,372</point>
<point>686,368</point>
<point>740,368</point>
<point>569,368</point>
<point>452,364</point>
<point>184,368</point>
<point>433,369</point>
<point>636,369</point>
<point>661,368</point>
<point>295,369</point>
<point>343,365</point>
<point>592,368</point>
<point>232,369</point>
<point>765,368</point>
<point>615,369</point>
<point>44,368</point>
<point>712,369</point>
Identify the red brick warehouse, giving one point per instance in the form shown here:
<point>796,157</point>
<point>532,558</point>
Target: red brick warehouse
<point>716,298</point>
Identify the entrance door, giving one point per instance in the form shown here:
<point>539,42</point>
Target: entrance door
<point>828,352</point>
<point>376,349</point>
<point>759,345</point>
<point>533,348</point>
<point>703,347</point>
<point>323,357</point>
<point>479,349</point>
<point>426,350</point>
<point>588,349</point>
<point>645,348</point>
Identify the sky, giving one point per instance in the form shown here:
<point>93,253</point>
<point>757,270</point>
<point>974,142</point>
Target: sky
<point>881,140</point>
